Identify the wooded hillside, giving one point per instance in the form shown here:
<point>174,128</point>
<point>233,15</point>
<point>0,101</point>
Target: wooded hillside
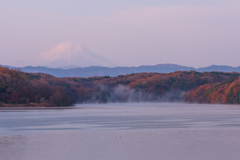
<point>227,92</point>
<point>18,88</point>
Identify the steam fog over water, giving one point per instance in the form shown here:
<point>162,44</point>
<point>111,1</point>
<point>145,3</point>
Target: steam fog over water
<point>122,93</point>
<point>130,131</point>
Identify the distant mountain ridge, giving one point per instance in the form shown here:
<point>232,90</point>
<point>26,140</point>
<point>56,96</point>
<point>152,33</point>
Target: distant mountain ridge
<point>112,72</point>
<point>221,68</point>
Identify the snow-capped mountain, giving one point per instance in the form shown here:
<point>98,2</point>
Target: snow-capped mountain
<point>69,55</point>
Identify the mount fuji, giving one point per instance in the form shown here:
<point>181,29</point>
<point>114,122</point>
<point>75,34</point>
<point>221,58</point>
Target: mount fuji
<point>69,55</point>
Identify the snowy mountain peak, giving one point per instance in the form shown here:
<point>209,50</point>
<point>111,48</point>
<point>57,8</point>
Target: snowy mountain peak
<point>71,55</point>
<point>63,50</point>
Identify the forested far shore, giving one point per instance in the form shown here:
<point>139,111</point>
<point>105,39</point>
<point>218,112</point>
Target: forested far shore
<point>18,88</point>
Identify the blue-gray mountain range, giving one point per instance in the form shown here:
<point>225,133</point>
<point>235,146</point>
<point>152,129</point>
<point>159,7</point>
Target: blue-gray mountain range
<point>106,71</point>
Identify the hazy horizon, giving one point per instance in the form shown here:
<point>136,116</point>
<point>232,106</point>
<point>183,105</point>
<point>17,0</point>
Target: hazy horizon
<point>190,33</point>
<point>72,67</point>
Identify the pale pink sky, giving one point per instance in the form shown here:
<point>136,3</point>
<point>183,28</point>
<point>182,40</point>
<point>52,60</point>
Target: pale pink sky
<point>190,33</point>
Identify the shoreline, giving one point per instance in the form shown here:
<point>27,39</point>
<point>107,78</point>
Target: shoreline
<point>35,108</point>
<point>4,106</point>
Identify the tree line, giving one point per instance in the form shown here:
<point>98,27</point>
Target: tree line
<point>18,88</point>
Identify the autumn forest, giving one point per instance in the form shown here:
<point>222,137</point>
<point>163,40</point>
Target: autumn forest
<point>18,88</point>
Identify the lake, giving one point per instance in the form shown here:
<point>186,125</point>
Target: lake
<point>123,131</point>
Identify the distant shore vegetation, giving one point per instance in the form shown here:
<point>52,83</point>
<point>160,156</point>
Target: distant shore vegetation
<point>18,88</point>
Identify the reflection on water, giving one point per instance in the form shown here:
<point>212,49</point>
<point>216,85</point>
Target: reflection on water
<point>135,131</point>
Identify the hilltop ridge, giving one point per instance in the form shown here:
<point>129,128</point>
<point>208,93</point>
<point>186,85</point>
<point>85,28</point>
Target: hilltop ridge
<point>18,88</point>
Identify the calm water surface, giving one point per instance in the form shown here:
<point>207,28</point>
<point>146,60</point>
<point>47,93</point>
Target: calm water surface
<point>133,131</point>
